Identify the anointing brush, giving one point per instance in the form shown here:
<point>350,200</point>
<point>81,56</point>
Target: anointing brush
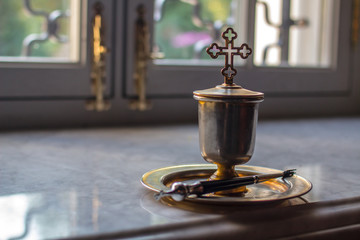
<point>179,190</point>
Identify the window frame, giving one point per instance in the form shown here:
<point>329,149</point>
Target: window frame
<point>60,80</point>
<point>273,81</point>
<point>44,111</point>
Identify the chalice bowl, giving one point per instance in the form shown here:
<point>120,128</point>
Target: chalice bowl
<point>228,116</point>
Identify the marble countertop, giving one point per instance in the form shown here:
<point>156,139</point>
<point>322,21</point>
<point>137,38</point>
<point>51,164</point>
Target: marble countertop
<point>80,182</point>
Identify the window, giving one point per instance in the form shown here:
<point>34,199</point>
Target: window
<point>48,55</point>
<point>45,31</point>
<point>302,59</point>
<point>287,33</point>
<point>296,33</point>
<point>317,65</point>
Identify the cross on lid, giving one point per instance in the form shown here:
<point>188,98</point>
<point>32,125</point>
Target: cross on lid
<point>229,51</point>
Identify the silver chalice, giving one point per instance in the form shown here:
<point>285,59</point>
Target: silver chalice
<point>228,116</point>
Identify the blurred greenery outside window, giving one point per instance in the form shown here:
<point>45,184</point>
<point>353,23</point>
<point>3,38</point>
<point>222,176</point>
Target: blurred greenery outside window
<point>184,28</point>
<point>17,23</point>
<point>176,33</point>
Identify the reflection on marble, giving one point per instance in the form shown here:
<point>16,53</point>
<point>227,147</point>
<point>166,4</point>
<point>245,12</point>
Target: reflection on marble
<point>35,215</point>
<point>176,209</point>
<point>64,183</point>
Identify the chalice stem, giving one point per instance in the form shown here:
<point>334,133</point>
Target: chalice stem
<point>224,172</point>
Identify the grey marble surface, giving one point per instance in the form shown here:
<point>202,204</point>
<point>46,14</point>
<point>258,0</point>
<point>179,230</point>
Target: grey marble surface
<point>63,183</point>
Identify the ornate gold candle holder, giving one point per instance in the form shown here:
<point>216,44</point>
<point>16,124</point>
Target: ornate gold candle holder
<point>228,115</point>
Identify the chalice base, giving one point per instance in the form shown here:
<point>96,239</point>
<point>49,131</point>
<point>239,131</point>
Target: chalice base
<point>227,172</point>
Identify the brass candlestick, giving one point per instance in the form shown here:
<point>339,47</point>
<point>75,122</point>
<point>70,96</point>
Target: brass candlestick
<point>228,115</point>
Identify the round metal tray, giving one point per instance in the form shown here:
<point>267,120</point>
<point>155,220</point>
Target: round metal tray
<point>272,190</point>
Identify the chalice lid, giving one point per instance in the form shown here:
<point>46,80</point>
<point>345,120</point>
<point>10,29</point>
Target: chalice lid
<point>228,89</point>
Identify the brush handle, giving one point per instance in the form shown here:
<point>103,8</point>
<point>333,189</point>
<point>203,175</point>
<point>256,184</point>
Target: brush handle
<point>222,185</point>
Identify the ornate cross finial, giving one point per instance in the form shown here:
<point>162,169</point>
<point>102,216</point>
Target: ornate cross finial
<point>229,51</point>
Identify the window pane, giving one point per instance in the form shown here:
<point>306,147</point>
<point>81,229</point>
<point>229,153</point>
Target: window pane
<point>296,33</point>
<point>39,30</point>
<point>185,28</point>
